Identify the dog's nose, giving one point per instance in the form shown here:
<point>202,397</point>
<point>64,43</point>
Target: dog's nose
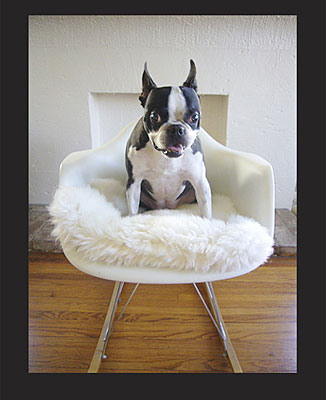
<point>176,129</point>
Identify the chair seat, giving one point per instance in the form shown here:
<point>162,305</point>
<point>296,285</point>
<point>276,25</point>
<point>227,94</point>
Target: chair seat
<point>93,221</point>
<point>145,275</point>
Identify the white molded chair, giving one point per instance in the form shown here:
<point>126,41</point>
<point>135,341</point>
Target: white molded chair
<point>245,178</point>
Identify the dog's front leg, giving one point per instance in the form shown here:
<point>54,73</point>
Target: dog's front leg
<point>133,197</point>
<point>203,197</point>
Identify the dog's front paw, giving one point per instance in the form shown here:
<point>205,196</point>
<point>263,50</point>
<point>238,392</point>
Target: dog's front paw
<point>206,212</point>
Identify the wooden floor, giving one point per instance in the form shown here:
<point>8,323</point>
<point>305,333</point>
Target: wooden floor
<point>165,327</point>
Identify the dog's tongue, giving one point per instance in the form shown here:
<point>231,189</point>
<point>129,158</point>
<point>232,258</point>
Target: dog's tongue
<point>177,148</point>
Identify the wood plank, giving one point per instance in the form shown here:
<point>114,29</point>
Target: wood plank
<point>259,310</point>
<point>165,327</point>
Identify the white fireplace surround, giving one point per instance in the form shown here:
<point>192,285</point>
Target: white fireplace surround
<point>109,113</point>
<point>85,76</point>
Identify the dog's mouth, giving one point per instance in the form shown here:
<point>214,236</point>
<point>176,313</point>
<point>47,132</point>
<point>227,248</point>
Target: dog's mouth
<point>172,151</point>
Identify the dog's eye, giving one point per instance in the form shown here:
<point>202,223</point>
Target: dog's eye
<point>155,117</point>
<point>194,117</point>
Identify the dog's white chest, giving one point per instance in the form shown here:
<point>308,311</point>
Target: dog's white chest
<point>166,176</point>
<point>166,187</point>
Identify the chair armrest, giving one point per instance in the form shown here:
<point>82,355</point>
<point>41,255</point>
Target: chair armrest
<point>246,178</point>
<point>108,161</point>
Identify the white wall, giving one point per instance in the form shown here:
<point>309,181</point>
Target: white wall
<point>252,59</point>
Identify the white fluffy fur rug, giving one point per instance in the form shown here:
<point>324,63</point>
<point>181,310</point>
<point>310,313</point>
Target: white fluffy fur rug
<point>94,221</point>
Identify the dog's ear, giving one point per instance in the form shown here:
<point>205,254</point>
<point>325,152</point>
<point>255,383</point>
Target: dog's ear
<point>148,85</point>
<point>191,78</point>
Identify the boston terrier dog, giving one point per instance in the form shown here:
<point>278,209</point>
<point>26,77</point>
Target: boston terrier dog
<point>164,157</point>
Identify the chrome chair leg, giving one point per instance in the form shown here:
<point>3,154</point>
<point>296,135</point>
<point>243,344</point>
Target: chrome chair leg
<point>97,357</point>
<point>107,329</point>
<point>217,315</point>
<point>117,300</point>
<point>220,326</point>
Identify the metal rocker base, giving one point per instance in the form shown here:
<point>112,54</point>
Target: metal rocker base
<point>108,326</point>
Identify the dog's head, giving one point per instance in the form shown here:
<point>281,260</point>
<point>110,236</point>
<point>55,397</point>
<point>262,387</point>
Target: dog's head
<point>171,113</point>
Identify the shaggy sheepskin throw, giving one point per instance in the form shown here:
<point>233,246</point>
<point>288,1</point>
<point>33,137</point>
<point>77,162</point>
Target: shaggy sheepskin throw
<point>93,220</point>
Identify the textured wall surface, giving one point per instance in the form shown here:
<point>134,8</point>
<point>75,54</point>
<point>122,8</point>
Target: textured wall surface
<point>252,59</point>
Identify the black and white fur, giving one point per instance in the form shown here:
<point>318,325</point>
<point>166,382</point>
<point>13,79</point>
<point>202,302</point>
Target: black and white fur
<point>164,157</point>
